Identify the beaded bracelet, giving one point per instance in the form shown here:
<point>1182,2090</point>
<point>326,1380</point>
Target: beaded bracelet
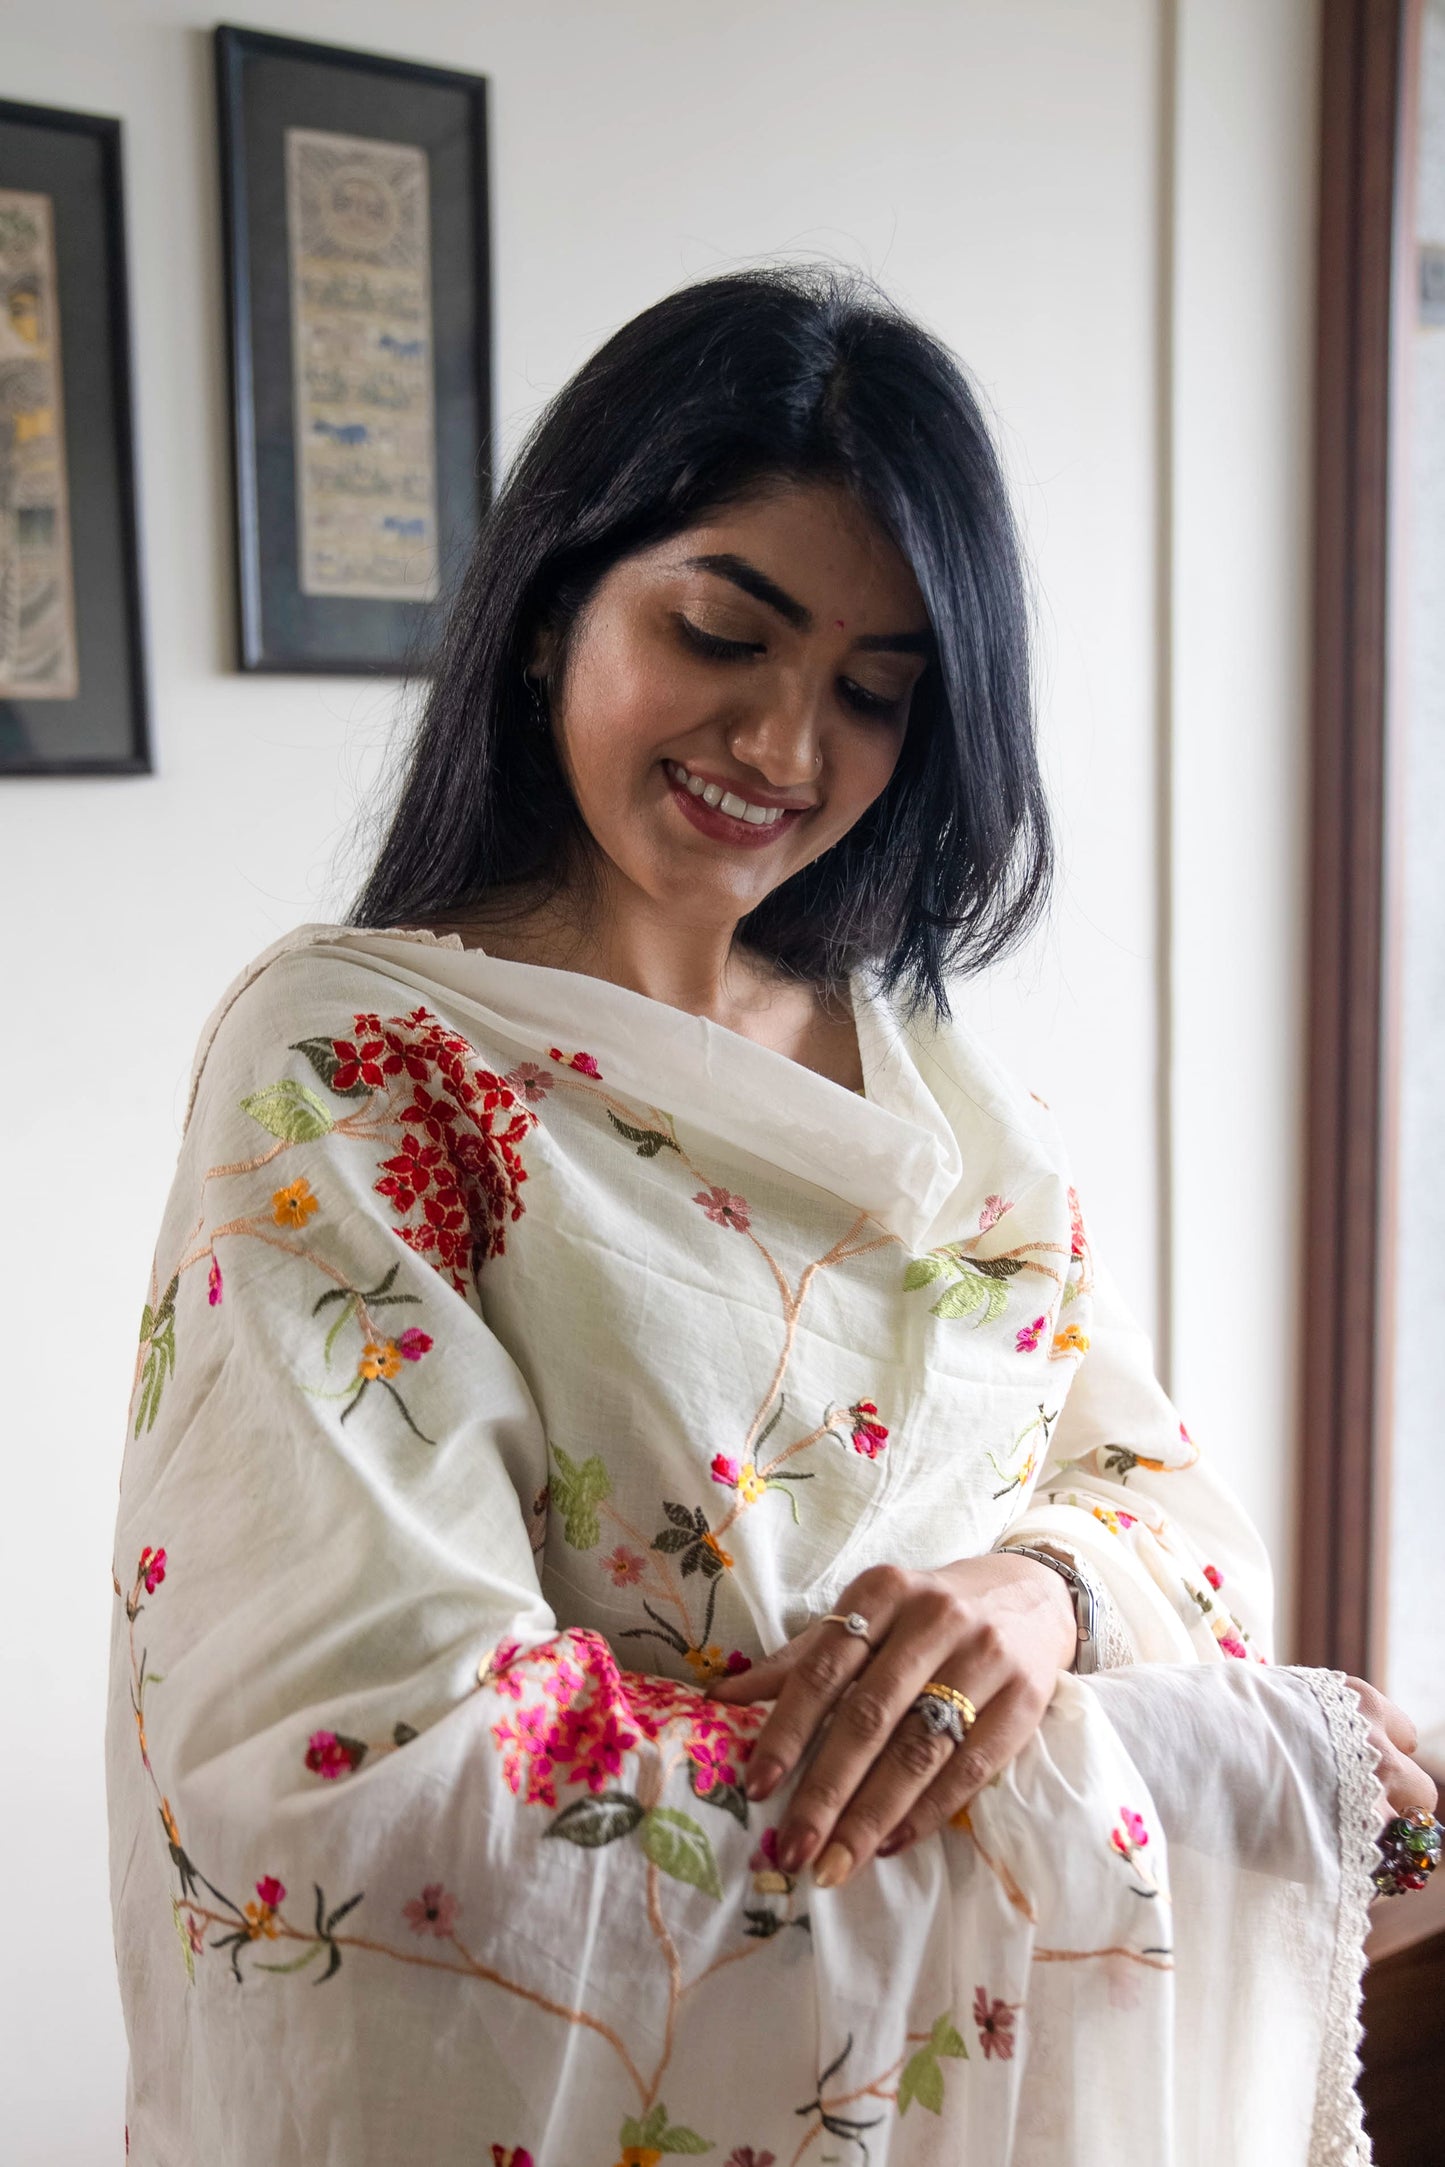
<point>1409,1853</point>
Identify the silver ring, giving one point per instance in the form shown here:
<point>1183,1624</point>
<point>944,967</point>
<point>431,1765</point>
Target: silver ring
<point>939,1715</point>
<point>855,1622</point>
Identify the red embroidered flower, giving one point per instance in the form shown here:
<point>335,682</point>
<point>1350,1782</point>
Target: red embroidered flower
<point>725,1470</point>
<point>433,1912</point>
<point>213,1282</point>
<point>869,1434</point>
<point>1214,1576</point>
<point>517,2156</point>
<point>1078,1240</point>
<point>995,2021</point>
<point>456,1177</point>
<point>358,1064</point>
<point>329,1756</point>
<point>1131,1836</point>
<point>413,1344</point>
<point>583,1062</point>
<point>1029,1335</point>
<point>271,1892</point>
<point>152,1568</point>
<point>738,1661</point>
<point>723,1208</point>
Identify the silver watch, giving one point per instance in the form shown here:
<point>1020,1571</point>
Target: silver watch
<point>1087,1602</point>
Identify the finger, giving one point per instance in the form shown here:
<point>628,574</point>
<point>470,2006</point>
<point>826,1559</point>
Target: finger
<point>824,1664</point>
<point>758,1682</point>
<point>1002,1731</point>
<point>1397,1725</point>
<point>868,1724</point>
<point>1407,1786</point>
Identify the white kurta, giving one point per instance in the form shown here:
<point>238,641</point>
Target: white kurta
<point>521,1352</point>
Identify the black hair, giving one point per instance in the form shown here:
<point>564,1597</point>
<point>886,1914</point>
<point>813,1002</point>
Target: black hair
<point>725,388</point>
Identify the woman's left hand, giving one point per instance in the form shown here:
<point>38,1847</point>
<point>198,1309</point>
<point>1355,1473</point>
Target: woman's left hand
<point>999,1628</point>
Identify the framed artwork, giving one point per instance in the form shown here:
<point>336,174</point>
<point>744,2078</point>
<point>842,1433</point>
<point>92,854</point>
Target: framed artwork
<point>354,193</point>
<point>72,664</point>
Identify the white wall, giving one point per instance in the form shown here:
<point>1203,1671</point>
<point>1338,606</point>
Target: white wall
<point>1008,168</point>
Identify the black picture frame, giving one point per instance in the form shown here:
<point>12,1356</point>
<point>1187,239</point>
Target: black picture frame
<point>74,619</point>
<point>272,93</point>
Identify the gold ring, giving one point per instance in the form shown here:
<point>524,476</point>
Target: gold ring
<point>960,1701</point>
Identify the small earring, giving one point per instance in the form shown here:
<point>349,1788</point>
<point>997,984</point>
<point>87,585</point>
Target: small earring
<point>536,693</point>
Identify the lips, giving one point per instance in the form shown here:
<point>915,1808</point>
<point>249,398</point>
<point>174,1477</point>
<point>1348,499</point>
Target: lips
<point>710,820</point>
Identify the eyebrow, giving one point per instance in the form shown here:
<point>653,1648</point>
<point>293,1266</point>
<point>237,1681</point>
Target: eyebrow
<point>757,583</point>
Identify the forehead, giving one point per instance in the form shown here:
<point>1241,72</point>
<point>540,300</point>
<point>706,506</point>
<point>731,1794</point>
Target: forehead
<point>815,540</point>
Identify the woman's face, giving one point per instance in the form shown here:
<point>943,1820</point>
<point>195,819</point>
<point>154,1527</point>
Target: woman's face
<point>769,653</point>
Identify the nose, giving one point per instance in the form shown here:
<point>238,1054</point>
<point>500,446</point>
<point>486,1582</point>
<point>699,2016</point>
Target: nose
<point>782,741</point>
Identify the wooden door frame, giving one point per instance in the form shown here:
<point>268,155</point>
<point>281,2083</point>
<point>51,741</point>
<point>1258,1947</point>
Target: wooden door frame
<point>1369,50</point>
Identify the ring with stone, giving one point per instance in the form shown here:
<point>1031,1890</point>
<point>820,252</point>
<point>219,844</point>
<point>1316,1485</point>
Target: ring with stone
<point>854,1620</point>
<point>945,1711</point>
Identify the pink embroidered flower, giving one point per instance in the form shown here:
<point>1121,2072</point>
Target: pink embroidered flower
<point>1029,1335</point>
<point>737,1661</point>
<point>413,1344</point>
<point>1131,1836</point>
<point>723,1208</point>
<point>528,1081</point>
<point>195,1933</point>
<point>766,1853</point>
<point>1231,1646</point>
<point>745,2156</point>
<point>517,2156</point>
<point>1214,1576</point>
<point>213,1283</point>
<point>433,1912</point>
<point>725,1470</point>
<point>994,1208</point>
<point>329,1756</point>
<point>271,1892</point>
<point>995,2021</point>
<point>869,1434</point>
<point>625,1566</point>
<point>1184,1435</point>
<point>152,1568</point>
<point>1077,1237</point>
<point>584,1063</point>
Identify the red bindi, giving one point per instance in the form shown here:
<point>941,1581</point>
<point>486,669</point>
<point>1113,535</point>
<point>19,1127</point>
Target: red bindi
<point>840,624</point>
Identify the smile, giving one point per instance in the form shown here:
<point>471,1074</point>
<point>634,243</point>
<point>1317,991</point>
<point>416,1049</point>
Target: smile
<point>717,799</point>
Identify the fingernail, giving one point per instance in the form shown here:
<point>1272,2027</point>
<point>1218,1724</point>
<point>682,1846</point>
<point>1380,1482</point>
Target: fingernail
<point>832,1866</point>
<point>761,1777</point>
<point>793,1848</point>
<point>894,1843</point>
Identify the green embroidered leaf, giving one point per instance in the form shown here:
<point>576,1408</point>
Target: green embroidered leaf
<point>321,1053</point>
<point>577,1490</point>
<point>684,1516</point>
<point>922,1271</point>
<point>772,1422</point>
<point>289,1110</point>
<point>676,1843</point>
<point>159,1327</point>
<point>648,1141</point>
<point>674,1538</point>
<point>681,2139</point>
<point>922,2080</point>
<point>592,1822</point>
<point>297,1963</point>
<point>962,1298</point>
<point>1071,1288</point>
<point>403,1734</point>
<point>777,1484</point>
<point>997,1267</point>
<point>997,1302</point>
<point>648,2130</point>
<point>186,1950</point>
<point>945,2038</point>
<point>333,1918</point>
<point>729,1797</point>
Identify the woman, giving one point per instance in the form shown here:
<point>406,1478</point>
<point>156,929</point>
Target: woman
<point>664,1607</point>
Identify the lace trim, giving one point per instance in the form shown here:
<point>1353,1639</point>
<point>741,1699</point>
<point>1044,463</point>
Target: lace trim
<point>1338,2137</point>
<point>1115,1646</point>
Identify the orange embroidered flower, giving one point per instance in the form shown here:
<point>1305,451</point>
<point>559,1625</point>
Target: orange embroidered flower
<point>711,1542</point>
<point>380,1358</point>
<point>1071,1341</point>
<point>293,1206</point>
<point>639,2155</point>
<point>708,1662</point>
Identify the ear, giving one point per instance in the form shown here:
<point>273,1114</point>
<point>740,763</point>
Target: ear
<point>539,661</point>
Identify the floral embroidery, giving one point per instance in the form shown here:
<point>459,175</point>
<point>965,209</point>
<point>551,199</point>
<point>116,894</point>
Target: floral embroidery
<point>1019,1477</point>
<point>1214,1576</point>
<point>625,1566</point>
<point>723,1208</point>
<point>529,1082</point>
<point>213,1283</point>
<point>995,2021</point>
<point>1071,1341</point>
<point>994,1208</point>
<point>584,1063</point>
<point>1131,1834</point>
<point>922,2077</point>
<point>380,1359</point>
<point>517,2156</point>
<point>1029,1335</point>
<point>1115,1522</point>
<point>151,1569</point>
<point>433,1912</point>
<point>293,1206</point>
<point>330,1756</point>
<point>869,1434</point>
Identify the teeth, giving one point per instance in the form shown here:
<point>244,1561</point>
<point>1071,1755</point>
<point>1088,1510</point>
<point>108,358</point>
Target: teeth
<point>757,816</point>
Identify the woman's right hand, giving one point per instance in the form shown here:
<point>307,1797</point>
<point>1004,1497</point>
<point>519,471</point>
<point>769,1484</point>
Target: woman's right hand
<point>1409,1787</point>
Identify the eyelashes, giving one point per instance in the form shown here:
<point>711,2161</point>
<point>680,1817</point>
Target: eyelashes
<point>721,650</point>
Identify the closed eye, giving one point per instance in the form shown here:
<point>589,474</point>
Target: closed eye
<point>721,650</point>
